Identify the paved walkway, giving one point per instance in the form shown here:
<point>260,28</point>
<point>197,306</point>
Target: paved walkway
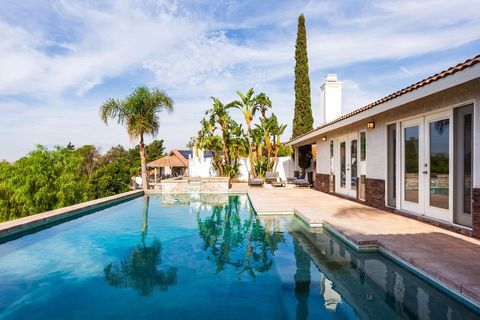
<point>452,258</point>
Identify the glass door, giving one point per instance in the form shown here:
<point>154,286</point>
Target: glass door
<point>437,166</point>
<point>348,165</point>
<point>463,143</point>
<point>353,168</point>
<point>412,160</point>
<point>426,180</point>
<point>342,184</point>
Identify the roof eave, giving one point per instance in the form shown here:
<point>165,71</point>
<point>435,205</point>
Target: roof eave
<point>447,82</point>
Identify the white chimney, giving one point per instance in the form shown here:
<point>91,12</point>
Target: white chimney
<point>330,99</point>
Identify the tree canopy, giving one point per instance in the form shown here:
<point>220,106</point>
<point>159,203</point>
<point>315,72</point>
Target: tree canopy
<point>48,179</point>
<point>139,113</point>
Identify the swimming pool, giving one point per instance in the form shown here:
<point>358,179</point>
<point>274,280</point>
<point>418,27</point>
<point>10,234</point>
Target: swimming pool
<point>203,257</point>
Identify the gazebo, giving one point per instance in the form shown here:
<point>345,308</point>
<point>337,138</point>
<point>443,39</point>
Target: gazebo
<point>175,164</point>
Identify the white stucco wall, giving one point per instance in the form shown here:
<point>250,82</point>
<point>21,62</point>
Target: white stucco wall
<point>285,167</point>
<point>200,167</point>
<point>323,156</point>
<point>476,143</point>
<point>376,151</point>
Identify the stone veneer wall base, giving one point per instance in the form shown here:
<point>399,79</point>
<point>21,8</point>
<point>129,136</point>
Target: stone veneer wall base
<point>375,193</point>
<point>476,212</point>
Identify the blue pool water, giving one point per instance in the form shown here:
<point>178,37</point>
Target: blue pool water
<point>203,257</point>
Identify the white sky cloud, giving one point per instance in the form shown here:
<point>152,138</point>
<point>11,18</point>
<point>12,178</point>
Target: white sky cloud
<point>59,65</point>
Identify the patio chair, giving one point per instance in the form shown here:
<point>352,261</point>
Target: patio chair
<point>255,182</point>
<point>271,177</point>
<point>296,176</point>
<point>278,183</point>
<point>301,182</point>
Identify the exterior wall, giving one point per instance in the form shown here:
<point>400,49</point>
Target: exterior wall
<point>376,155</point>
<point>323,155</point>
<point>200,167</point>
<point>284,167</point>
<point>476,142</point>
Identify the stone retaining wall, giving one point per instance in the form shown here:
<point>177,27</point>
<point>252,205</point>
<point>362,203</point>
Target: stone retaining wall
<point>196,185</point>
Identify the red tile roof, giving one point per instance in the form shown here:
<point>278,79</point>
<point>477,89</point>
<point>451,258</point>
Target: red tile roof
<point>443,74</point>
<point>175,159</point>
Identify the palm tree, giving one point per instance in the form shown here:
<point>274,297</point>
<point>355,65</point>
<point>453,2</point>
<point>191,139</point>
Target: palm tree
<point>140,270</point>
<point>276,131</point>
<point>139,113</point>
<point>219,114</point>
<point>249,105</point>
<point>264,104</point>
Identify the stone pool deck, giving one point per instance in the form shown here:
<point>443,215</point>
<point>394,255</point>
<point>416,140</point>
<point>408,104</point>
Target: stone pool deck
<point>449,257</point>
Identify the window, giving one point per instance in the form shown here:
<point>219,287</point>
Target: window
<point>363,146</point>
<point>332,177</point>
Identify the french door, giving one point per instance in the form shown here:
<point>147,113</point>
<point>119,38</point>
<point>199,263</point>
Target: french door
<point>426,166</point>
<point>347,183</point>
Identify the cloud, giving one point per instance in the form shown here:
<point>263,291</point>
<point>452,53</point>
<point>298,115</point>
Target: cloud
<point>69,55</point>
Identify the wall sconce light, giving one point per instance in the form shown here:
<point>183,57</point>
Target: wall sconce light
<point>324,138</point>
<point>371,125</point>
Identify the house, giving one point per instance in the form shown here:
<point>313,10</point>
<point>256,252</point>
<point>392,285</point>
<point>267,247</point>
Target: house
<point>175,164</point>
<point>412,152</point>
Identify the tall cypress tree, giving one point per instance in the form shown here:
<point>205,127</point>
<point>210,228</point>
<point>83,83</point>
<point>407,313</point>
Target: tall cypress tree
<point>302,119</point>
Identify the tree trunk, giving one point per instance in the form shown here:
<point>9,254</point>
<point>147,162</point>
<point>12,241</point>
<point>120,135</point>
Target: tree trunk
<point>143,161</point>
<point>228,159</point>
<point>250,155</point>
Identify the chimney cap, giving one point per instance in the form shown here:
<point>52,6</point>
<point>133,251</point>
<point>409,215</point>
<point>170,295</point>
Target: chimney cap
<point>331,77</point>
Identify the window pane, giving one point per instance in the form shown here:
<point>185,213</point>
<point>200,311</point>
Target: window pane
<point>467,163</point>
<point>353,164</point>
<point>343,174</point>
<point>361,188</point>
<point>439,163</point>
<point>363,146</point>
<point>411,164</point>
<point>392,170</point>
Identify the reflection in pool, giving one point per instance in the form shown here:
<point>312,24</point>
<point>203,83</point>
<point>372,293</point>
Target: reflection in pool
<point>197,257</point>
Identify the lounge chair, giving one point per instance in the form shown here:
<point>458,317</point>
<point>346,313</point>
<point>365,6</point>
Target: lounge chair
<point>278,183</point>
<point>271,177</point>
<point>296,176</point>
<point>255,182</point>
<point>301,182</point>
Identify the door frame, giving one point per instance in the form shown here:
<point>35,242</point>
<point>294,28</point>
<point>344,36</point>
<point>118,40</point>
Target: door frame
<point>430,211</point>
<point>347,191</point>
<point>416,208</point>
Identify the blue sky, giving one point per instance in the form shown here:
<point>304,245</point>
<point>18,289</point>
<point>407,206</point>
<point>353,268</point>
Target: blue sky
<point>59,60</point>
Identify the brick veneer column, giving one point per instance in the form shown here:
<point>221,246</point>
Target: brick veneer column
<point>476,212</point>
<point>322,182</point>
<point>375,193</point>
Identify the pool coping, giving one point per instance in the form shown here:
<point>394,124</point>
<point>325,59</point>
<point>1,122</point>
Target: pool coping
<point>374,247</point>
<point>19,226</point>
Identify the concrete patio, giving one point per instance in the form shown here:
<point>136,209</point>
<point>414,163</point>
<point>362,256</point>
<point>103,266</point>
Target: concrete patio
<point>449,257</point>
